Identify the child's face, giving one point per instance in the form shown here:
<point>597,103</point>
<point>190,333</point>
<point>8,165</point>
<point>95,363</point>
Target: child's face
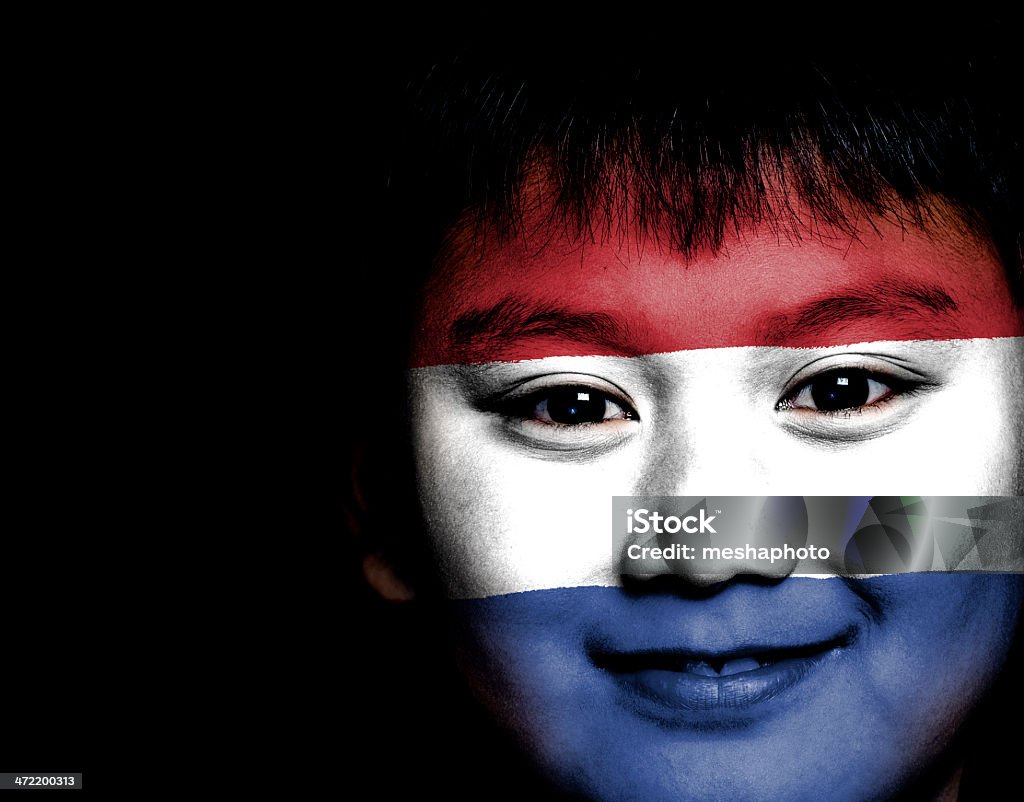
<point>641,374</point>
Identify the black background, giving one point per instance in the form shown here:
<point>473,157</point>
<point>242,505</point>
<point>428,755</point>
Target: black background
<point>186,367</point>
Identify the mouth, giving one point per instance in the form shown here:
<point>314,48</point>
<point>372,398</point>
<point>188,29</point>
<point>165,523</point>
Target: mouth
<point>714,686</point>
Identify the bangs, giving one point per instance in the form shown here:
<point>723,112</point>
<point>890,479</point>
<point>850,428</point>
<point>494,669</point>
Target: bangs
<point>687,147</point>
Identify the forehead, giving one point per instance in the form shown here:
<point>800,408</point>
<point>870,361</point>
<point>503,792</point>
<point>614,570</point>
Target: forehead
<point>535,294</point>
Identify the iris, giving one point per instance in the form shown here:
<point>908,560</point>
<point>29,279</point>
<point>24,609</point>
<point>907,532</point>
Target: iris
<point>572,406</point>
<point>840,389</point>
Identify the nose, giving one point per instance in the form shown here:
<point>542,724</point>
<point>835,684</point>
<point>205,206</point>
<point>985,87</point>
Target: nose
<point>709,540</point>
<point>706,441</point>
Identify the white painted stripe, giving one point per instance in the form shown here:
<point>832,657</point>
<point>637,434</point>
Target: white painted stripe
<point>513,504</point>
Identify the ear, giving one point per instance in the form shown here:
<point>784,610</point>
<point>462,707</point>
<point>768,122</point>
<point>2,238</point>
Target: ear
<point>380,574</point>
<point>379,571</point>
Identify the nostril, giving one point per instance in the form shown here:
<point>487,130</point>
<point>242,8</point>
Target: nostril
<point>693,587</point>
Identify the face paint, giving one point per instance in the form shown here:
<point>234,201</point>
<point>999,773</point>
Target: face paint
<point>548,380</point>
<point>543,297</point>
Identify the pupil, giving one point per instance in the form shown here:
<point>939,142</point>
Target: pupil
<point>576,406</point>
<point>840,390</point>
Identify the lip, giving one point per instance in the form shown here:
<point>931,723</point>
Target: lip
<point>674,684</point>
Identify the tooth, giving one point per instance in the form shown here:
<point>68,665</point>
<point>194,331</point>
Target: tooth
<point>738,665</point>
<point>702,668</point>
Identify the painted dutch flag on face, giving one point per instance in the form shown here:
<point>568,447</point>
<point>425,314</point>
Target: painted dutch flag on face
<point>551,377</point>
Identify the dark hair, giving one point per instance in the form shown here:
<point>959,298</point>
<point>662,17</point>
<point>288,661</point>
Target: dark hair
<point>691,140</point>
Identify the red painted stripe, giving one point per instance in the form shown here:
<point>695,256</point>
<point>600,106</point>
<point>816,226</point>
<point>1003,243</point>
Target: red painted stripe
<point>533,299</point>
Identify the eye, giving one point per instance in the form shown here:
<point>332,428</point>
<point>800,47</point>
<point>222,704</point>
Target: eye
<point>574,406</point>
<point>582,415</point>
<point>842,389</point>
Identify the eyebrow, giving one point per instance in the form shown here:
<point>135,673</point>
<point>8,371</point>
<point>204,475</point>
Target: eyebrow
<point>890,298</point>
<point>482,334</point>
<point>488,334</point>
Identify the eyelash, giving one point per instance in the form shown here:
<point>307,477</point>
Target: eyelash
<point>525,407</point>
<point>896,387</point>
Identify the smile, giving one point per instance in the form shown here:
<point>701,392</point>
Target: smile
<point>672,684</point>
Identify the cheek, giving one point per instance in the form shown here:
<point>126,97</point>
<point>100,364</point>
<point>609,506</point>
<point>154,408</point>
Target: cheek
<point>966,440</point>
<point>940,643</point>
<point>503,522</point>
